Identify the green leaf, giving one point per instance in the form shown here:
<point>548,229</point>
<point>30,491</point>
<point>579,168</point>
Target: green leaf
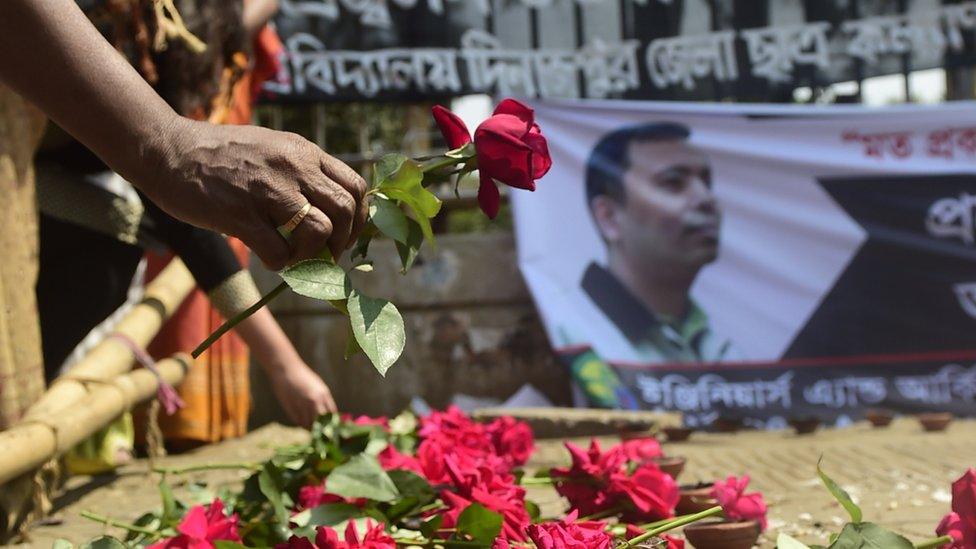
<point>362,244</point>
<point>200,493</point>
<point>840,494</point>
<point>386,167</point>
<point>429,528</point>
<point>362,477</point>
<point>319,279</point>
<point>375,446</point>
<point>867,535</point>
<point>352,345</point>
<point>425,205</point>
<point>406,444</point>
<point>340,305</point>
<point>479,523</point>
<point>389,219</point>
<point>403,424</point>
<point>378,328</point>
<point>271,485</point>
<point>104,542</point>
<point>62,543</point>
<point>411,484</point>
<point>410,249</point>
<point>402,507</point>
<point>405,185</point>
<point>328,514</point>
<point>533,510</point>
<point>151,522</point>
<point>407,175</point>
<point>784,541</point>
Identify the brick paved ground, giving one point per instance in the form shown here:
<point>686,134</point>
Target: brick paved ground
<point>900,475</point>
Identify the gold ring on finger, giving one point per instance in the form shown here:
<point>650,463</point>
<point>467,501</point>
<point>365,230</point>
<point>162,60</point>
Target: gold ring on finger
<point>289,226</point>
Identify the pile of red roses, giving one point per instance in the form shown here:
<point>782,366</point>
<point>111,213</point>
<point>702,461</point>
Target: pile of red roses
<point>474,461</point>
<point>465,463</point>
<point>500,445</point>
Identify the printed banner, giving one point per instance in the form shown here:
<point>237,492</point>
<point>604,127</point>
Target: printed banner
<point>602,49</point>
<point>764,263</point>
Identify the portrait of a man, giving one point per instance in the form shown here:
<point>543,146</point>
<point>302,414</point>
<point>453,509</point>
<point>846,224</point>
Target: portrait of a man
<point>649,192</point>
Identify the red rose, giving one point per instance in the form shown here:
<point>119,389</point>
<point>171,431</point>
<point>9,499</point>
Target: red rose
<point>961,522</point>
<point>470,444</point>
<point>512,440</point>
<point>736,504</point>
<point>381,421</point>
<point>494,492</point>
<point>642,449</point>
<point>201,527</point>
<point>593,462</point>
<point>454,424</point>
<point>391,458</point>
<point>510,147</point>
<point>569,534</point>
<point>651,491</point>
<point>585,484</point>
<point>953,527</point>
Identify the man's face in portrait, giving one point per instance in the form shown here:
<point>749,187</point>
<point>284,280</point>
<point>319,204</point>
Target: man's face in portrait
<point>668,216</point>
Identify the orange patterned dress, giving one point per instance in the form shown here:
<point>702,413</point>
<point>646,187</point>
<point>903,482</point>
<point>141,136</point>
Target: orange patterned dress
<point>216,390</point>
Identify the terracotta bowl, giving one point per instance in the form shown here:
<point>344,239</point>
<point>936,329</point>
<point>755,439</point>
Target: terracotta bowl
<point>935,421</point>
<point>672,465</point>
<point>805,426</point>
<point>880,418</point>
<point>695,498</point>
<point>722,534</point>
<point>677,434</point>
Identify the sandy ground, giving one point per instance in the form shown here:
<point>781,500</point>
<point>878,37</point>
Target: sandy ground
<point>900,476</point>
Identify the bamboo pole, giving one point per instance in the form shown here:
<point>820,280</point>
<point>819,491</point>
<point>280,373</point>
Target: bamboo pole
<point>111,357</point>
<point>31,443</point>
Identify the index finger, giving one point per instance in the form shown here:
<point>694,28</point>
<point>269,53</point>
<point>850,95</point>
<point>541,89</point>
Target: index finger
<point>345,176</point>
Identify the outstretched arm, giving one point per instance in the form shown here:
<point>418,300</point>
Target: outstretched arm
<point>240,180</point>
<point>300,391</point>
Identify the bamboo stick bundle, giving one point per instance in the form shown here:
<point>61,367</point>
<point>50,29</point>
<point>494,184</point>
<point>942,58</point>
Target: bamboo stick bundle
<point>31,443</point>
<point>112,357</point>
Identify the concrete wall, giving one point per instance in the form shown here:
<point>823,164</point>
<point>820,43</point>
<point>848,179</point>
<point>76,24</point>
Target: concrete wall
<point>471,329</point>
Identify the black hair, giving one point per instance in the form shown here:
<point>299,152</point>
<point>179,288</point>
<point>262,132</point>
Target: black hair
<point>186,79</point>
<point>610,158</point>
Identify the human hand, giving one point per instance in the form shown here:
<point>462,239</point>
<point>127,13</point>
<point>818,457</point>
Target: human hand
<point>302,393</point>
<point>245,181</point>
